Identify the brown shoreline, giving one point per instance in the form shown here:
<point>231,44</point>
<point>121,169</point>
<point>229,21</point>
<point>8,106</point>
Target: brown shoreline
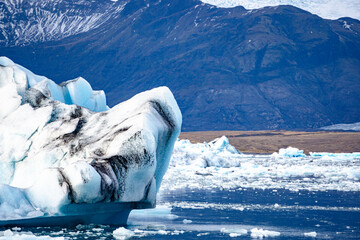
<point>271,141</point>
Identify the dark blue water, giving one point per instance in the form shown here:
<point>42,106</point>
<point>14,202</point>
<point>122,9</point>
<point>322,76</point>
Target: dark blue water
<point>215,214</point>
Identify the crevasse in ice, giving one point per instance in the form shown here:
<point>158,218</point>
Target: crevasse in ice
<point>61,144</point>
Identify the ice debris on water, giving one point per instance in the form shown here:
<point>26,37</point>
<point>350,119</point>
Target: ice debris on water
<point>310,234</point>
<point>15,235</point>
<point>261,233</point>
<point>61,144</point>
<point>217,153</point>
<point>123,233</point>
<point>187,221</point>
<point>289,152</point>
<point>234,232</point>
<point>203,166</point>
<point>160,212</point>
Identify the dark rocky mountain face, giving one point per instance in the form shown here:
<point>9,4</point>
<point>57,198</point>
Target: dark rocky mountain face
<point>272,68</point>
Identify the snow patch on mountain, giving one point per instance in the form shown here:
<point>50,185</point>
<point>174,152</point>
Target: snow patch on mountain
<point>26,21</point>
<point>330,9</point>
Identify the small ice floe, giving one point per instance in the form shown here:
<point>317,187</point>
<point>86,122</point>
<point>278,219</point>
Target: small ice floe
<point>217,153</point>
<point>14,235</point>
<point>234,232</point>
<point>187,221</point>
<point>289,152</point>
<point>155,213</point>
<point>123,233</point>
<point>310,234</point>
<point>261,233</point>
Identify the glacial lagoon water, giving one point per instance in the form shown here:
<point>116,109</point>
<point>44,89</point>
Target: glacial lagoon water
<point>213,192</point>
<point>228,214</point>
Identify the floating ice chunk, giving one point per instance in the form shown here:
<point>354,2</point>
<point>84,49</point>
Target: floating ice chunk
<point>222,144</point>
<point>123,233</point>
<point>187,221</point>
<point>234,232</point>
<point>335,155</point>
<point>260,233</point>
<point>310,234</point>
<point>218,153</point>
<point>156,213</point>
<point>13,235</point>
<point>289,152</point>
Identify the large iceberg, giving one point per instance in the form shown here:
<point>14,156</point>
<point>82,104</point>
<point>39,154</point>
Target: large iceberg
<point>62,149</point>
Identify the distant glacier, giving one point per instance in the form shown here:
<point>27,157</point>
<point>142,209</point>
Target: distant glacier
<point>332,9</point>
<point>343,127</point>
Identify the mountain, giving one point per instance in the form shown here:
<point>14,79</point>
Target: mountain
<point>28,21</point>
<point>229,68</point>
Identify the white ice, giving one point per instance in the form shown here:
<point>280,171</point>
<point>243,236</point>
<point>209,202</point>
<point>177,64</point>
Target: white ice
<point>199,166</point>
<point>53,152</point>
<point>234,232</point>
<point>330,9</point>
<point>310,234</point>
<point>261,233</point>
<point>77,91</point>
<point>15,235</point>
<point>160,212</point>
<point>343,127</point>
<point>289,152</point>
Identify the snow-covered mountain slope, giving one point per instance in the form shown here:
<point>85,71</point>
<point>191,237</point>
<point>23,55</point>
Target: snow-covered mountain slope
<point>330,9</point>
<point>27,21</point>
<point>54,154</point>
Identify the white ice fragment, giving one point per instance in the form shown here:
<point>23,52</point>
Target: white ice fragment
<point>155,213</point>
<point>8,233</point>
<point>123,233</point>
<point>289,152</point>
<point>260,233</point>
<point>234,232</point>
<point>310,234</point>
<point>187,221</point>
